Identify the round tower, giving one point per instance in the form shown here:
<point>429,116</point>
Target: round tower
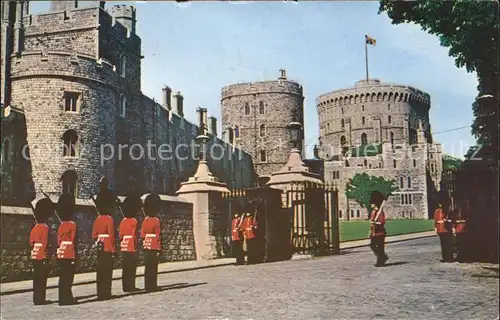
<point>255,117</point>
<point>371,112</point>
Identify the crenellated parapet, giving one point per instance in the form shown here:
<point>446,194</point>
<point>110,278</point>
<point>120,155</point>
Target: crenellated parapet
<point>250,88</point>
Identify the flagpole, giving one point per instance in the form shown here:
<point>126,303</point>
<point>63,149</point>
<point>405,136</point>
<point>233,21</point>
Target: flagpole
<point>366,58</point>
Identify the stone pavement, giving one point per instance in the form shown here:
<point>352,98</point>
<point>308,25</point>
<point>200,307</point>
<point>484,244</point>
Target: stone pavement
<point>414,285</point>
<point>88,278</point>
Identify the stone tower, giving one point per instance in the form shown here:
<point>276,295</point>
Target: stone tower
<point>255,118</point>
<point>74,84</point>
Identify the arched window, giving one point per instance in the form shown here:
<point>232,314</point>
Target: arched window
<point>363,108</point>
<point>263,157</point>
<point>364,139</point>
<point>409,198</point>
<point>261,107</point>
<point>236,131</point>
<point>343,140</point>
<point>342,110</point>
<point>357,213</point>
<point>401,184</point>
<point>352,213</point>
<point>70,147</point>
<point>69,181</point>
<point>123,65</point>
<point>409,182</point>
<point>406,198</point>
<point>363,120</point>
<point>123,105</point>
<point>389,118</point>
<point>414,163</point>
<point>342,123</point>
<point>392,137</point>
<point>394,163</point>
<point>247,109</point>
<point>328,127</point>
<point>262,130</point>
<point>432,167</point>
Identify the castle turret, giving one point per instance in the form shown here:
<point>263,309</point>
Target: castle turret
<point>125,15</point>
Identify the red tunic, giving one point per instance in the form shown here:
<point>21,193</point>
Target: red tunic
<point>39,239</point>
<point>377,226</point>
<point>248,226</point>
<point>66,240</point>
<point>150,232</point>
<point>128,234</point>
<point>104,231</point>
<point>440,221</point>
<point>235,231</point>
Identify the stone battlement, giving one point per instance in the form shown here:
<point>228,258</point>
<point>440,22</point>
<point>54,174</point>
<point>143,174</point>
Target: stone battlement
<point>273,86</point>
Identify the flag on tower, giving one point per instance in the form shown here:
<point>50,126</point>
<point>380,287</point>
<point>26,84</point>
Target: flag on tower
<point>370,40</point>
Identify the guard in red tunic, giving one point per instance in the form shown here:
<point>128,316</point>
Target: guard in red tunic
<point>445,235</point>
<point>377,228</point>
<point>249,228</point>
<point>103,232</point>
<point>151,235</point>
<point>460,230</point>
<point>128,245</point>
<point>66,251</point>
<point>237,240</point>
<point>39,238</point>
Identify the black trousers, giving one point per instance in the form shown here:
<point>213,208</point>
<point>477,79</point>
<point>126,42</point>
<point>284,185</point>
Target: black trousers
<point>129,268</point>
<point>446,239</point>
<point>377,244</point>
<point>461,246</point>
<point>40,273</point>
<point>251,250</point>
<point>237,251</point>
<point>150,270</point>
<point>67,269</point>
<point>104,274</point>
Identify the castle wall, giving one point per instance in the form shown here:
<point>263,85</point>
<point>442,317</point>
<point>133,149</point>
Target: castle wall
<point>283,103</point>
<point>177,237</point>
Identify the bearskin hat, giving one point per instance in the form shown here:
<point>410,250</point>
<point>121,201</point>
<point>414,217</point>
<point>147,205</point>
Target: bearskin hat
<point>43,209</point>
<point>376,198</point>
<point>66,206</point>
<point>152,204</point>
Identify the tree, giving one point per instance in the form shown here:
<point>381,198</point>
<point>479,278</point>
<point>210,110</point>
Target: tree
<point>450,163</point>
<point>360,187</point>
<point>469,28</point>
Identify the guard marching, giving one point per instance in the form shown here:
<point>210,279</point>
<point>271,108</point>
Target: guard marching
<point>150,233</point>
<point>377,228</point>
<point>128,245</point>
<point>39,238</point>
<point>445,235</point>
<point>249,227</point>
<point>103,232</point>
<point>66,251</point>
<point>237,240</point>
<point>460,229</point>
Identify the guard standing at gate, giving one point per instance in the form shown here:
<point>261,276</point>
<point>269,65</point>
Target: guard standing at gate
<point>67,250</point>
<point>377,228</point>
<point>237,239</point>
<point>39,241</point>
<point>128,245</point>
<point>151,235</point>
<point>249,227</point>
<point>460,230</point>
<point>103,232</point>
<point>445,235</point>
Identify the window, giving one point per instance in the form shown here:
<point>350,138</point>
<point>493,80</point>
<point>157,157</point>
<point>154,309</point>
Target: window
<point>342,110</point>
<point>262,130</point>
<point>389,118</point>
<point>414,163</point>
<point>343,140</point>
<point>247,109</point>
<point>406,198</point>
<point>432,156</point>
<point>364,139</point>
<point>352,213</point>
<point>123,105</point>
<point>409,198</point>
<point>263,156</point>
<point>230,133</point>
<point>362,108</point>
<point>432,167</point>
<point>388,107</point>
<point>394,163</point>
<point>401,184</point>
<point>365,163</point>
<point>261,107</point>
<point>70,147</point>
<point>71,101</point>
<point>328,127</point>
<point>236,132</point>
<point>342,123</point>
<point>411,214</point>
<point>340,213</point>
<point>363,120</point>
<point>392,138</point>
<point>409,182</point>
<point>357,213</point>
<point>69,181</point>
<point>123,65</point>
<point>402,198</point>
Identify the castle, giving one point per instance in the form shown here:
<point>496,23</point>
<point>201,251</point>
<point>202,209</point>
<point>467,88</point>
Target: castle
<point>72,80</point>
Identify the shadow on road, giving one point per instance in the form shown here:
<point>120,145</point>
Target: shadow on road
<point>486,276</point>
<point>398,263</point>
<point>142,291</point>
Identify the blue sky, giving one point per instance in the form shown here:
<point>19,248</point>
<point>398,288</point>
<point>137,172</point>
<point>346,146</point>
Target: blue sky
<point>197,48</point>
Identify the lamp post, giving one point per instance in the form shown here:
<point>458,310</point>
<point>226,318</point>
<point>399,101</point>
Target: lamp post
<point>294,129</point>
<point>202,143</point>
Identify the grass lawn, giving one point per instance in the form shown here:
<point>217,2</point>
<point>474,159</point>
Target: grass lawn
<point>356,230</point>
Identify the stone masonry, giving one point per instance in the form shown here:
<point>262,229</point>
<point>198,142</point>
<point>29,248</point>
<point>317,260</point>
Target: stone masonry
<point>255,116</point>
<point>393,122</point>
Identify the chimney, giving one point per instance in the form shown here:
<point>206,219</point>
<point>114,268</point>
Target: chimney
<point>178,105</point>
<point>282,74</point>
<point>202,119</point>
<point>212,126</point>
<point>166,97</point>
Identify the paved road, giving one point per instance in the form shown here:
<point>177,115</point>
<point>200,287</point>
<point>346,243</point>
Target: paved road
<point>416,286</point>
